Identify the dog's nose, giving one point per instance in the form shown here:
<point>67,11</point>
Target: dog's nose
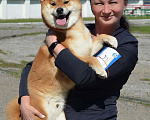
<point>60,10</point>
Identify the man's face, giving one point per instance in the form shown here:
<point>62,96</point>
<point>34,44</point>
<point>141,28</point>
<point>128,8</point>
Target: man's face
<point>108,12</point>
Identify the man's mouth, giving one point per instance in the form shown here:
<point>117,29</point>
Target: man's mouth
<point>107,17</point>
<point>62,19</point>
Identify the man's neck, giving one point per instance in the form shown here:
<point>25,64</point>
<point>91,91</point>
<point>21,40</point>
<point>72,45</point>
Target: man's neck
<point>109,30</point>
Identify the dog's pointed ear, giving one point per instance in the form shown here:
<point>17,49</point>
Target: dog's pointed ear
<point>42,0</point>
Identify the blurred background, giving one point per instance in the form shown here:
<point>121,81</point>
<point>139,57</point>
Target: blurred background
<point>18,9</point>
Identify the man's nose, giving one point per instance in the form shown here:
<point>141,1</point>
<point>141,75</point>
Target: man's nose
<point>106,8</point>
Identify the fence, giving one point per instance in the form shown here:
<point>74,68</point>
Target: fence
<point>138,10</point>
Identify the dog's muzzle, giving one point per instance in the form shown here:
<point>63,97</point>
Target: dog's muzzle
<point>60,11</point>
<point>61,18</point>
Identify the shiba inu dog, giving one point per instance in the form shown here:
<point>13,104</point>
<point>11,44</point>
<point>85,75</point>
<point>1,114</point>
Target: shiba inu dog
<point>47,85</point>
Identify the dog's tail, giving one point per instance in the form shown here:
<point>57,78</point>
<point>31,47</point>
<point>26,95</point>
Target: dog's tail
<point>13,110</point>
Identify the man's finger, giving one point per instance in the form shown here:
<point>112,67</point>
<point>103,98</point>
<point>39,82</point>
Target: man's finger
<point>38,114</point>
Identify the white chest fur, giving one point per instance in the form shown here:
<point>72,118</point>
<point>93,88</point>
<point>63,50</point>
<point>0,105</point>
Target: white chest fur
<point>54,105</point>
<point>81,43</point>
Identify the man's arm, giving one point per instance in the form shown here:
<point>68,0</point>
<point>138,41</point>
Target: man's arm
<point>23,90</point>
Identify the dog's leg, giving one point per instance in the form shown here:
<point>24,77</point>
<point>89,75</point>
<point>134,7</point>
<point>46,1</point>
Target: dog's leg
<point>61,116</point>
<point>95,64</point>
<point>100,40</point>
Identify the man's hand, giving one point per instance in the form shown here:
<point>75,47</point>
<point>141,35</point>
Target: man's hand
<point>28,112</point>
<point>50,37</point>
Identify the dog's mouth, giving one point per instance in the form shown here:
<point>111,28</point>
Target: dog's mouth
<point>62,19</point>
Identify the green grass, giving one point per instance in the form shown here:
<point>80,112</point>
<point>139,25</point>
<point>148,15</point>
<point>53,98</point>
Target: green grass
<point>146,103</point>
<point>4,64</point>
<point>11,68</point>
<point>9,28</point>
<point>137,17</point>
<point>31,56</point>
<point>145,79</point>
<point>30,34</point>
<point>141,29</point>
<point>20,20</point>
<point>16,74</point>
<point>26,34</point>
<point>21,28</point>
<point>88,19</point>
<point>2,52</point>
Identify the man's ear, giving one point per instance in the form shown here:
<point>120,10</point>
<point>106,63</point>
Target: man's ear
<point>125,4</point>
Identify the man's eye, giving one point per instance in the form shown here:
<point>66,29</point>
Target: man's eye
<point>113,3</point>
<point>98,3</point>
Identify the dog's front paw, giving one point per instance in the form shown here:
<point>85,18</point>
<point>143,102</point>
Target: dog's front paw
<point>112,42</point>
<point>98,68</point>
<point>102,73</point>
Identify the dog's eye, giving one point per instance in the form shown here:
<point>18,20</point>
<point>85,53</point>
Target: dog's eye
<point>66,2</point>
<point>53,4</point>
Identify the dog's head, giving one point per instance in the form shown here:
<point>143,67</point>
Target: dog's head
<point>60,14</point>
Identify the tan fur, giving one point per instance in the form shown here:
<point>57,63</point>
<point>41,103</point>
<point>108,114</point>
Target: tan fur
<point>47,85</point>
<point>13,110</point>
